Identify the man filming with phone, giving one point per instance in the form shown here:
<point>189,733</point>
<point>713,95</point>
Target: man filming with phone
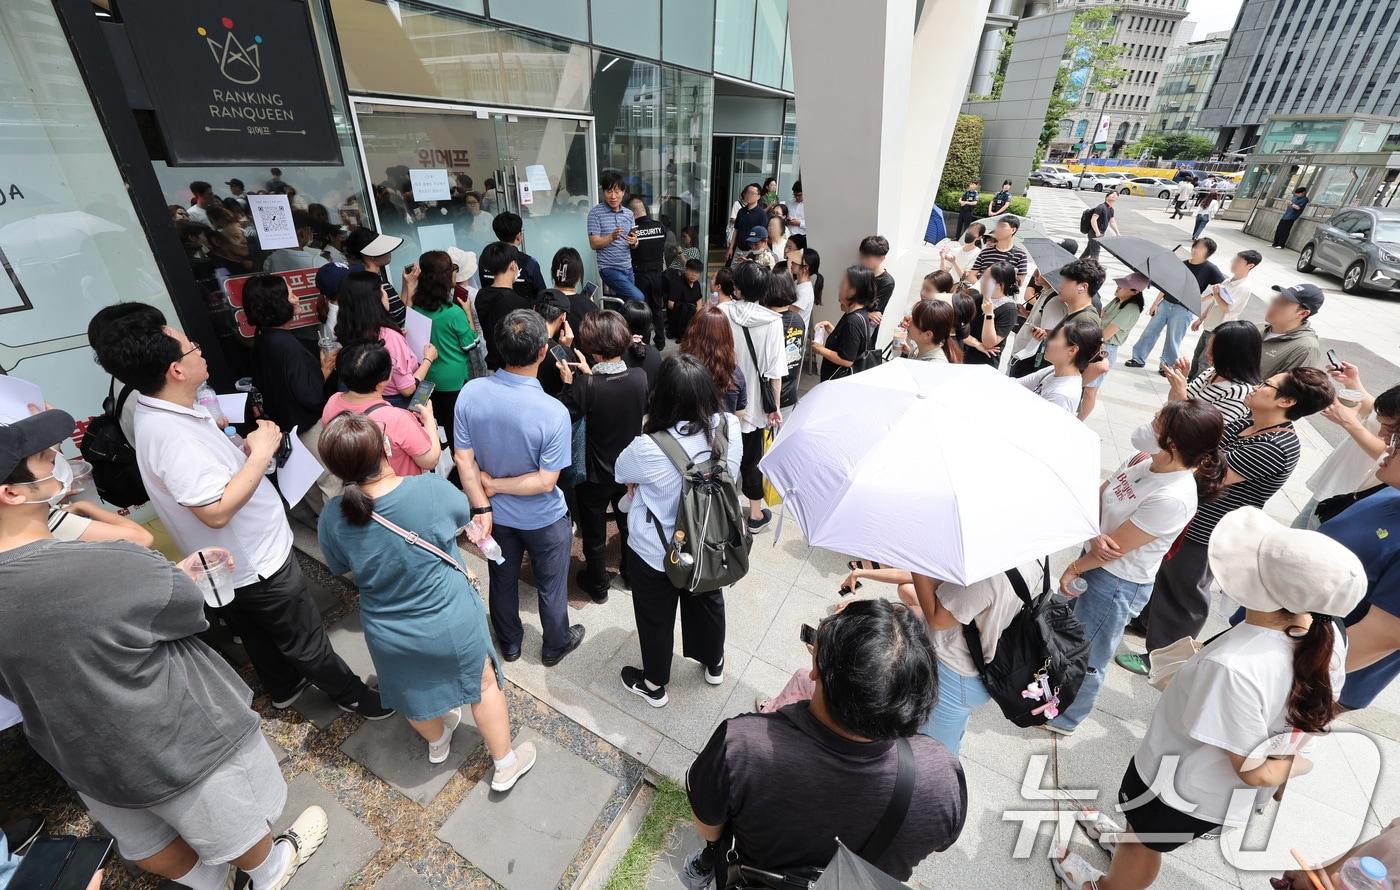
<point>611,234</point>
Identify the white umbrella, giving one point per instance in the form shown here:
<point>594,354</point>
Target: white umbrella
<point>951,471</point>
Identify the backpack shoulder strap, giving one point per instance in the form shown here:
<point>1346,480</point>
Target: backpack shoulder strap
<point>898,808</point>
<point>373,408</point>
<point>973,635</point>
<point>672,449</point>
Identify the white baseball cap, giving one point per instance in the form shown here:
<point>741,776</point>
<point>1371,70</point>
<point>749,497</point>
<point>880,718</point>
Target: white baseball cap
<point>1266,567</point>
<point>465,261</point>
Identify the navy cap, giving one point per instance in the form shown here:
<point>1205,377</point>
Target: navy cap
<point>30,436</point>
<point>1309,296</point>
<point>758,232</point>
<point>329,279</point>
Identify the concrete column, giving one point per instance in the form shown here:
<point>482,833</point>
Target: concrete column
<point>876,102</point>
<point>985,66</point>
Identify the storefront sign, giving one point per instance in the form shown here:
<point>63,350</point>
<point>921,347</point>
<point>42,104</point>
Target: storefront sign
<point>444,157</point>
<point>234,82</point>
<point>303,285</point>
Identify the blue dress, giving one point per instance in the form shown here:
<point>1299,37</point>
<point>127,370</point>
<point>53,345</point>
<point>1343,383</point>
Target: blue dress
<point>425,624</point>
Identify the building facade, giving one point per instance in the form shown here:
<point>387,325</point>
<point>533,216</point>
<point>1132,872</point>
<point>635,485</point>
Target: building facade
<point>1184,86</point>
<point>1304,57</point>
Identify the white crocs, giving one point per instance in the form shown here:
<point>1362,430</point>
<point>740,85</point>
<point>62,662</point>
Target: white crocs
<point>1075,872</point>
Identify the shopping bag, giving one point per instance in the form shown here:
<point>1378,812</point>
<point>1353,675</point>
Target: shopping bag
<point>771,496</point>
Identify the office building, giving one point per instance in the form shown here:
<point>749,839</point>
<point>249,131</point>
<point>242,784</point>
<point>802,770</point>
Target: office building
<point>1185,84</point>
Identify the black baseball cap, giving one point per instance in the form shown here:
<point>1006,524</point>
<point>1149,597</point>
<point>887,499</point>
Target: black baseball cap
<point>237,182</point>
<point>1309,296</point>
<point>30,436</point>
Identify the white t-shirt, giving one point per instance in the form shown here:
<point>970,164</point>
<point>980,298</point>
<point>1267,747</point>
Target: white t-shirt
<point>1231,696</point>
<point>1158,503</point>
<point>1235,293</point>
<point>992,603</point>
<point>1347,468</point>
<point>186,461</point>
<point>1063,391</point>
<point>806,299</point>
<point>797,217</point>
<point>964,257</point>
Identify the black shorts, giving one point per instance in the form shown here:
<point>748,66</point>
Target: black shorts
<point>1157,826</point>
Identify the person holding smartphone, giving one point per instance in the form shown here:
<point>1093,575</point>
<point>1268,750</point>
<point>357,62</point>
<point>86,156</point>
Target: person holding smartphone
<point>410,436</point>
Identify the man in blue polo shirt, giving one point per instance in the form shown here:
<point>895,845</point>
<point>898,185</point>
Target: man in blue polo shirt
<point>611,235</point>
<point>511,442</point>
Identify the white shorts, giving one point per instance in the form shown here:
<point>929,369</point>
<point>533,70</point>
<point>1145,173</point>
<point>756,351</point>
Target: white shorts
<point>221,816</point>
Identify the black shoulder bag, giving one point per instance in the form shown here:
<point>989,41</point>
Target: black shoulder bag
<point>765,390</point>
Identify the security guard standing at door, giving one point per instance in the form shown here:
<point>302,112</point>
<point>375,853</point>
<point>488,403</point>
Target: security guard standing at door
<point>648,262</point>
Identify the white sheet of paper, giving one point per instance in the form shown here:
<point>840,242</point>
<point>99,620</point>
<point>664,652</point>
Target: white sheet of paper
<point>16,395</point>
<point>9,713</point>
<point>299,473</point>
<point>234,406</point>
<point>417,328</point>
<point>272,219</point>
<point>436,237</point>
<point>538,178</point>
<point>429,185</point>
<point>527,194</point>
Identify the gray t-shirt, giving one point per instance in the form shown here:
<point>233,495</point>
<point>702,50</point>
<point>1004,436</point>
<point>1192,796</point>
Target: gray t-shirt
<point>97,649</point>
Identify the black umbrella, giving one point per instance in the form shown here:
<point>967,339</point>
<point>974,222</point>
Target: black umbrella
<point>847,871</point>
<point>1162,267</point>
<point>1048,257</point>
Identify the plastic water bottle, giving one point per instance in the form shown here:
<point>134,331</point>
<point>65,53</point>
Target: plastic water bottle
<point>1363,873</point>
<point>1078,585</point>
<point>488,547</point>
<point>206,397</point>
<point>236,439</point>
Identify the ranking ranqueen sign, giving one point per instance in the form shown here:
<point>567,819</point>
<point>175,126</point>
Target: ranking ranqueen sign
<point>234,81</point>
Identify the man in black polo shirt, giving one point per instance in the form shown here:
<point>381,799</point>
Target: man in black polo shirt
<point>784,786</point>
<point>500,264</point>
<point>1002,249</point>
<point>510,229</point>
<point>751,215</point>
<point>648,262</point>
<point>1001,200</point>
<point>1101,222</point>
<point>967,206</point>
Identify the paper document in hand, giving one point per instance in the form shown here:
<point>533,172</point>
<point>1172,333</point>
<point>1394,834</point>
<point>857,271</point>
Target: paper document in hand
<point>299,473</point>
<point>234,406</point>
<point>417,330</point>
<point>16,395</point>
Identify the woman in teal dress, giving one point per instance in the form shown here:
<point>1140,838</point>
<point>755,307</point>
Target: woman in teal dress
<point>424,622</point>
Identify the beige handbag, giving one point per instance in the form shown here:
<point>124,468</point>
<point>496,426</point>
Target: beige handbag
<point>1167,660</point>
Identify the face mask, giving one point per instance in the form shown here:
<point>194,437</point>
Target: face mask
<point>969,238</point>
<point>63,475</point>
<point>1144,439</point>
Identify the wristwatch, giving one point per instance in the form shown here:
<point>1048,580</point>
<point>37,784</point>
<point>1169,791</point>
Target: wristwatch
<point>477,511</point>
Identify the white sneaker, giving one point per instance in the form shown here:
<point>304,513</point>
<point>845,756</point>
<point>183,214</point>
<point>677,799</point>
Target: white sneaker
<point>715,677</point>
<point>505,779</point>
<point>450,721</point>
<point>305,835</point>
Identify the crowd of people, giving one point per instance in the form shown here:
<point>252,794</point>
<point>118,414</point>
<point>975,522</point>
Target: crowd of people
<point>533,415</point>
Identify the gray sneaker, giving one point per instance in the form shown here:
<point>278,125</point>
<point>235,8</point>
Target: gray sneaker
<point>696,875</point>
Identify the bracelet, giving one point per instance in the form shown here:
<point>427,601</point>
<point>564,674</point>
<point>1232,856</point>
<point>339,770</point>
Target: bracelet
<point>477,511</point>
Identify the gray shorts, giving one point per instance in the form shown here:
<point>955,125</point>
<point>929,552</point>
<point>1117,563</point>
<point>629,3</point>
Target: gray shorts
<point>221,816</point>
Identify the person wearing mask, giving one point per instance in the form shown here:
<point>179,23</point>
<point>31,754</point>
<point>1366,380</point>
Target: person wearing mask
<point>510,229</point>
<point>807,275</point>
<point>749,216</point>
<point>424,622</point>
<point>1205,212</point>
<point>1071,301</point>
<point>648,263</point>
<point>782,300</point>
<point>365,315</point>
<point>851,336</point>
<point>999,313</point>
<point>1185,191</point>
<point>641,354</point>
<point>186,783</point>
<point>758,343</point>
<point>1238,712</point>
<point>1003,249</point>
<point>1170,315</point>
<point>1289,338</point>
<point>565,275</point>
<point>933,333</point>
<point>710,341</point>
<point>1101,222</point>
<point>1348,474</point>
<point>1068,352</point>
<point>1231,372</point>
<point>410,436</point>
<point>1260,452</point>
<point>956,257</point>
<point>1143,506</point>
<point>682,297</point>
<point>1224,302</point>
<point>303,256</point>
<point>370,251</point>
<point>512,440</point>
<point>797,211</point>
<point>553,307</point>
<point>452,334</point>
<point>1001,200</point>
<point>611,399</point>
<point>501,263</point>
<point>786,785</point>
<point>209,492</point>
<point>1296,205</point>
<point>685,407</point>
<point>873,250</point>
<point>611,233</point>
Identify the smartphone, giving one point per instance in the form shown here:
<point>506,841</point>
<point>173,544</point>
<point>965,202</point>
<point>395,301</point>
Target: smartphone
<point>562,354</point>
<point>284,450</point>
<point>1333,360</point>
<point>61,863</point>
<point>589,289</point>
<point>87,858</point>
<point>808,635</point>
<point>421,394</point>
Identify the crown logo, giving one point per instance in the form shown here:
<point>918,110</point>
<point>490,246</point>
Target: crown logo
<point>239,62</point>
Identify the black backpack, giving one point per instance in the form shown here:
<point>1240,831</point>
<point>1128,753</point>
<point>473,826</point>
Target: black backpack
<point>113,460</point>
<point>1084,217</point>
<point>1043,646</point>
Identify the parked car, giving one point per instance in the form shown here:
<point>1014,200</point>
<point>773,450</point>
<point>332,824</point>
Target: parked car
<point>1361,244</point>
<point>1149,187</point>
<point>1099,182</point>
<point>1052,178</point>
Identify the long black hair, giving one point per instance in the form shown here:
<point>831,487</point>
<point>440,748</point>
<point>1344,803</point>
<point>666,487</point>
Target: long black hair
<point>862,282</point>
<point>1192,429</point>
<point>813,261</point>
<point>685,397</point>
<point>362,311</point>
<point>1236,351</point>
<point>638,315</point>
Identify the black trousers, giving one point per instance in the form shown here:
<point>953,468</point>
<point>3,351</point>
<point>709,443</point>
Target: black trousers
<point>1091,250</point>
<point>1180,601</point>
<point>1281,233</point>
<point>652,286</point>
<point>750,476</point>
<point>594,499</point>
<point>964,220</point>
<point>654,601</point>
<point>444,409</point>
<point>283,635</point>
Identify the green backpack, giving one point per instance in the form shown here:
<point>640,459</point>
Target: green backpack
<point>710,546</point>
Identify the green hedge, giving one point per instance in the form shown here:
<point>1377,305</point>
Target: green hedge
<point>964,153</point>
<point>948,200</point>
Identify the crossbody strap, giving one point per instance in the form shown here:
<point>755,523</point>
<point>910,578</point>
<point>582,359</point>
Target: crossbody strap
<point>898,808</point>
<point>973,636</point>
<point>375,407</point>
<point>416,541</point>
<point>765,391</point>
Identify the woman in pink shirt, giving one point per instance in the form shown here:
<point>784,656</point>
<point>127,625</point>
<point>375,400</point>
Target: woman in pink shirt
<point>410,436</point>
<point>364,315</point>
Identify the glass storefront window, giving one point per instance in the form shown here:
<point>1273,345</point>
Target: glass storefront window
<point>410,50</point>
<point>787,64</point>
<point>769,40</point>
<point>565,17</point>
<point>632,26</point>
<point>688,33</point>
<point>734,37</point>
<point>1299,135</point>
<point>789,164</point>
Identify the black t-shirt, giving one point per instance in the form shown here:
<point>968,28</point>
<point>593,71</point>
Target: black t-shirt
<point>793,334</point>
<point>289,378</point>
<point>848,339</point>
<point>613,405</point>
<point>550,381</point>
<point>1206,274</point>
<point>649,254</point>
<point>1104,214</point>
<point>579,308</point>
<point>492,305</point>
<point>1000,200</point>
<point>649,361</point>
<point>1003,320</point>
<point>884,289</point>
<point>789,787</point>
<point>745,221</point>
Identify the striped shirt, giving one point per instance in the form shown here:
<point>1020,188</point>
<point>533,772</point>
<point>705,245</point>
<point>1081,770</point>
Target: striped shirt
<point>1265,460</point>
<point>602,220</point>
<point>1226,395</point>
<point>1015,256</point>
<point>67,526</point>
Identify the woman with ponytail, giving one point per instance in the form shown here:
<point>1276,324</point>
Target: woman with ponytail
<point>641,354</point>
<point>424,621</point>
<point>1143,506</point>
<point>1236,715</point>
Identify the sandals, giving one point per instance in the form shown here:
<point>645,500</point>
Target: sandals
<point>854,564</point>
<point>1101,829</point>
<point>1074,871</point>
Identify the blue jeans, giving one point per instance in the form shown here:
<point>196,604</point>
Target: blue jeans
<point>1103,610</point>
<point>1172,316</point>
<point>1201,220</point>
<point>958,697</point>
<point>622,281</point>
<point>549,549</point>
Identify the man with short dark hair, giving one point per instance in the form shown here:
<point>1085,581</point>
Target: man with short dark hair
<point>500,263</point>
<point>201,194</point>
<point>509,229</point>
<point>275,185</point>
<point>750,215</point>
<point>873,250</point>
<point>1001,200</point>
<point>1002,249</point>
<point>1289,339</point>
<point>648,262</point>
<point>1223,302</point>
<point>237,192</point>
<point>797,211</point>
<point>611,235</point>
<point>967,206</point>
<point>1291,213</point>
<point>1101,222</point>
<point>511,441</point>
<point>783,787</point>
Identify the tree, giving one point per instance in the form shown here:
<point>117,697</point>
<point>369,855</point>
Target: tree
<point>1090,62</point>
<point>964,153</point>
<point>1173,146</point>
<point>1008,40</point>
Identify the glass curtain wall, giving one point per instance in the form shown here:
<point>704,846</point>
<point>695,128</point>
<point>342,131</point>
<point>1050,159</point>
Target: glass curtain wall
<point>789,164</point>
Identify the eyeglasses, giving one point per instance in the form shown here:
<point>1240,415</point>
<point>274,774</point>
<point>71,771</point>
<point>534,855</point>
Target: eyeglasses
<point>1394,441</point>
<point>194,347</point>
<point>1269,385</point>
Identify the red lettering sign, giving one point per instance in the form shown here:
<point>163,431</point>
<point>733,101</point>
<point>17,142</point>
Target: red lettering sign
<point>303,285</point>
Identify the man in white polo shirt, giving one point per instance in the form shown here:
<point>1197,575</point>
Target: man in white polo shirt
<point>208,493</point>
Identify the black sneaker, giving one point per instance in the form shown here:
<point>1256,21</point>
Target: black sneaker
<point>21,832</point>
<point>1134,363</point>
<point>290,698</point>
<point>758,525</point>
<point>632,679</point>
<point>510,656</point>
<point>715,675</point>
<point>368,707</point>
<point>575,638</point>
<point>598,595</point>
